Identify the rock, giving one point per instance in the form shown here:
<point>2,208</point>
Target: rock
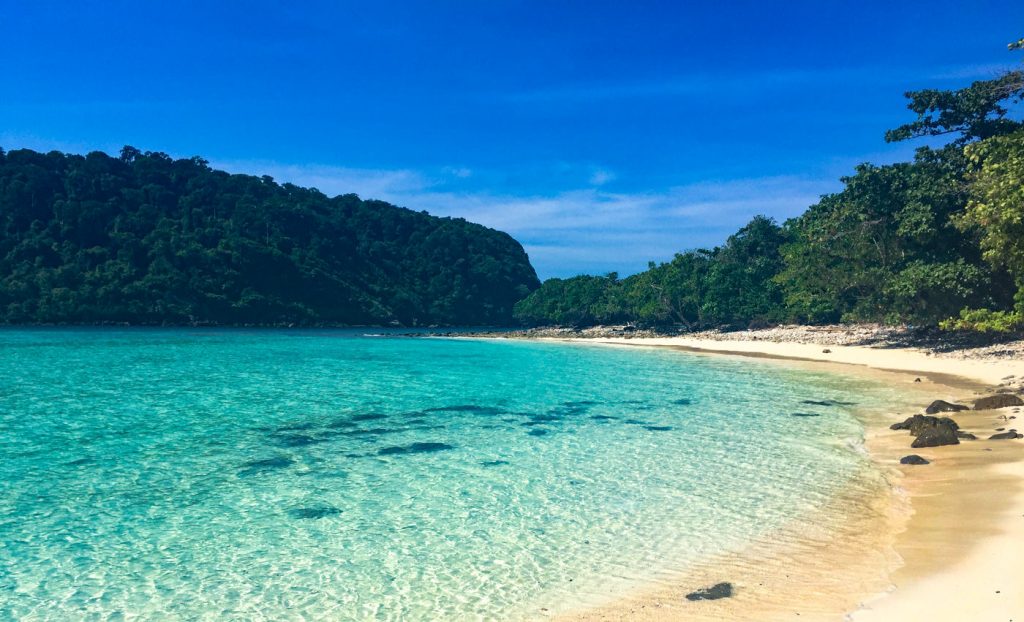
<point>1006,436</point>
<point>967,436</point>
<point>999,400</point>
<point>913,459</point>
<point>321,511</point>
<point>415,448</point>
<point>942,434</point>
<point>917,380</point>
<point>715,592</point>
<point>942,406</point>
<point>826,351</point>
<point>919,423</point>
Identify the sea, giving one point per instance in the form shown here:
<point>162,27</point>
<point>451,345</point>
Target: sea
<point>232,474</point>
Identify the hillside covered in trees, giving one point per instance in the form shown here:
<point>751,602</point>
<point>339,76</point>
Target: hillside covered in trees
<point>938,240</point>
<point>144,238</point>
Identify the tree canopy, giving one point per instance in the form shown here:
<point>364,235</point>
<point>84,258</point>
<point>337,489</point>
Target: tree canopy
<point>939,239</point>
<point>144,238</point>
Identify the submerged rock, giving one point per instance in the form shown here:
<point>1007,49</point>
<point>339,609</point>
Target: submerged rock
<point>942,434</point>
<point>942,406</point>
<point>369,417</point>
<point>658,428</point>
<point>805,414</point>
<point>828,403</point>
<point>715,592</point>
<point>494,463</point>
<point>913,459</point>
<point>1006,436</point>
<point>255,467</point>
<point>321,511</point>
<point>1001,400</point>
<point>415,448</point>
<point>537,432</point>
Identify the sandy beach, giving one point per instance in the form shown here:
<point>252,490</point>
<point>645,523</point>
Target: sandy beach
<point>942,541</point>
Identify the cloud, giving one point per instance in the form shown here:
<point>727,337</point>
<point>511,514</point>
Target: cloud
<point>576,230</point>
<point>600,177</point>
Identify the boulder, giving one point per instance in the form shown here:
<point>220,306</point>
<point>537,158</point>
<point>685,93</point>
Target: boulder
<point>942,406</point>
<point>942,434</point>
<point>1005,436</point>
<point>719,590</point>
<point>913,459</point>
<point>919,423</point>
<point>999,400</point>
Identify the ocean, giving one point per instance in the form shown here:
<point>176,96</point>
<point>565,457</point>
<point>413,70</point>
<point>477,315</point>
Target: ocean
<point>177,474</point>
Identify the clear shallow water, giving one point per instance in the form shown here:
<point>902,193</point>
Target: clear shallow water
<point>268,475</point>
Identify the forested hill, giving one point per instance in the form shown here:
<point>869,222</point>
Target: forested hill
<point>144,238</point>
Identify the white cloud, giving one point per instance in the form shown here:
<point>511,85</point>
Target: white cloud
<point>585,229</point>
<point>601,176</point>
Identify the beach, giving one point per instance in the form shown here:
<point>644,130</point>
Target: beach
<point>943,541</point>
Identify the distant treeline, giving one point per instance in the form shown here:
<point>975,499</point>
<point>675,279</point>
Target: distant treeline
<point>144,238</point>
<point>936,240</point>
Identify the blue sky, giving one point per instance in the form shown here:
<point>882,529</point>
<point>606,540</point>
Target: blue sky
<point>600,134</point>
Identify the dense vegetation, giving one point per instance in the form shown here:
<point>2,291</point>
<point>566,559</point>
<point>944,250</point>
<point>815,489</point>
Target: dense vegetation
<point>147,239</point>
<point>939,239</point>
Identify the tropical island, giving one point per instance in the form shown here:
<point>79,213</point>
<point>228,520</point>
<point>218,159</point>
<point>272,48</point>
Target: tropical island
<point>146,239</point>
<point>238,395</point>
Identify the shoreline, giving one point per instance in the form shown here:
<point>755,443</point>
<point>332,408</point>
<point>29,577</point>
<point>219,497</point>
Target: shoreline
<point>947,546</point>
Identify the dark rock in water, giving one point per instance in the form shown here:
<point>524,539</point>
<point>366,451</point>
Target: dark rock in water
<point>1001,400</point>
<point>942,406</point>
<point>828,403</point>
<point>683,402</point>
<point>806,414</point>
<point>494,463</point>
<point>913,459</point>
<point>580,403</point>
<point>1006,436</point>
<point>415,448</point>
<point>602,417</point>
<point>342,423</point>
<point>919,423</point>
<point>466,408</point>
<point>635,422</point>
<point>321,511</point>
<point>296,427</point>
<point>537,432</point>
<point>942,434</point>
<point>256,467</point>
<point>715,592</point>
<point>658,428</point>
<point>369,417</point>
<point>967,436</point>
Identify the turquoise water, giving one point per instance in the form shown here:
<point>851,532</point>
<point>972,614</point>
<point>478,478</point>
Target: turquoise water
<point>233,475</point>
